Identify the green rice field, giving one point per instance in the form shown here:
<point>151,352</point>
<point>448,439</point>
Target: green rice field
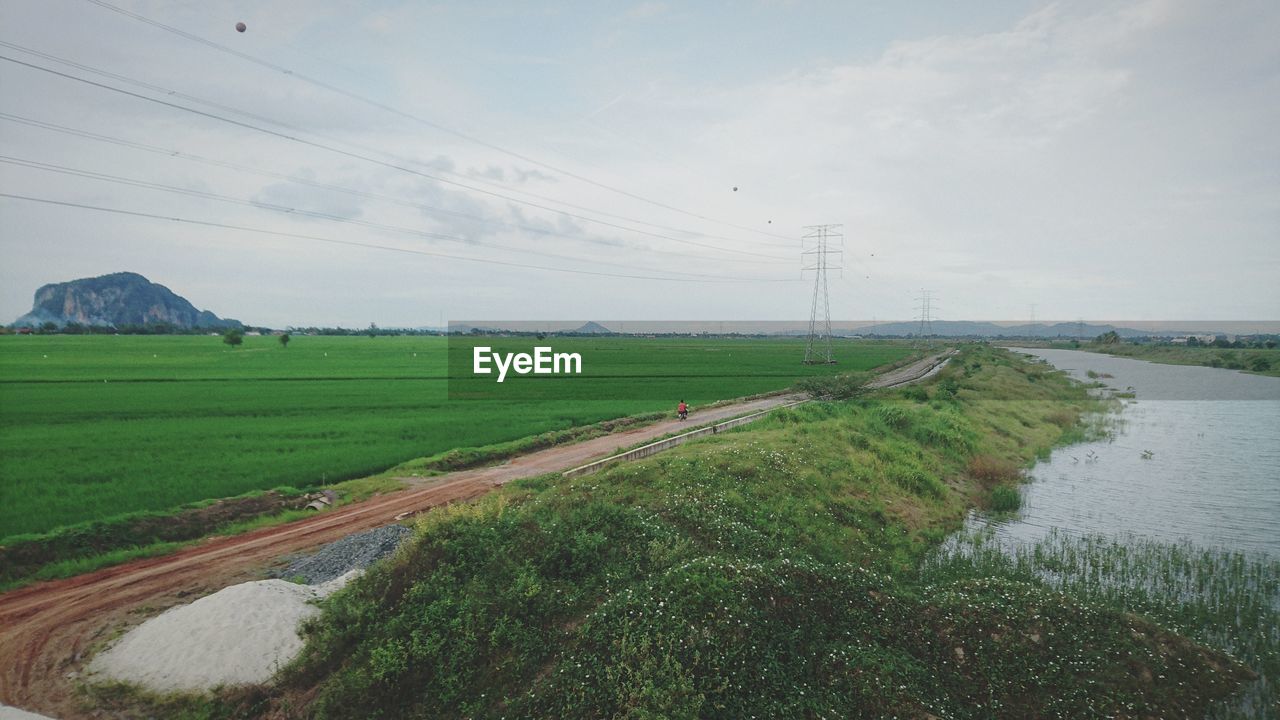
<point>92,427</point>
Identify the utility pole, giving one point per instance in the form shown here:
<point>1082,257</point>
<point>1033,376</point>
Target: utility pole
<point>926,314</point>
<point>815,248</point>
<point>1031,327</point>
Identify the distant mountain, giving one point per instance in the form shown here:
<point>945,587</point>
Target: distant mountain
<point>593,328</point>
<point>966,328</point>
<point>117,299</point>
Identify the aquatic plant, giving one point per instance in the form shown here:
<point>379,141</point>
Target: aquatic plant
<point>1224,599</point>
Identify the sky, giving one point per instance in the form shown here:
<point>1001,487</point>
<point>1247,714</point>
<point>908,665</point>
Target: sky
<point>343,162</point>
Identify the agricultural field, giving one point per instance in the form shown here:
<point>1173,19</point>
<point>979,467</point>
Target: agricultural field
<point>92,427</point>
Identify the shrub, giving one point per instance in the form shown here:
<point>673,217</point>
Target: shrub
<point>893,416</point>
<point>1005,499</point>
<point>991,470</point>
<point>916,393</point>
<point>1063,418</point>
<point>946,389</point>
<point>833,387</point>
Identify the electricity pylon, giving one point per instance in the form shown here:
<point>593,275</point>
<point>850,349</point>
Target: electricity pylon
<point>815,248</point>
<point>926,315</point>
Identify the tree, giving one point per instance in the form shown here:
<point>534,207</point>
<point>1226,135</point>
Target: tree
<point>233,337</point>
<point>1110,337</point>
<point>284,340</point>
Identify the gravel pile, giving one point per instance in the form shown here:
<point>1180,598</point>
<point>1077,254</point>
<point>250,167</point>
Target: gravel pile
<point>353,552</point>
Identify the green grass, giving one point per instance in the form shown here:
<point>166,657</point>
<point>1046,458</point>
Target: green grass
<point>1224,599</point>
<point>766,572</point>
<point>93,427</point>
<point>1005,499</point>
<point>71,567</point>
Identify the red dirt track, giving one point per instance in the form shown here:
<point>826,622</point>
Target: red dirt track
<point>46,629</point>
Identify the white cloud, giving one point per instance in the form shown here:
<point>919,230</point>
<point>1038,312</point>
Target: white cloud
<point>646,10</point>
<point>1098,159</point>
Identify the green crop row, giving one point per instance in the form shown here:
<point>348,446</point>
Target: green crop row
<point>92,427</point>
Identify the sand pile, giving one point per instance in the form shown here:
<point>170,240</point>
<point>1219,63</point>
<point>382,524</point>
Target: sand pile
<point>239,635</point>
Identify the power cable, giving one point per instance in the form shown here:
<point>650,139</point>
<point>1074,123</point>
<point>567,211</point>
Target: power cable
<point>172,153</point>
<point>294,128</point>
<point>409,116</point>
<point>133,182</point>
<point>347,153</point>
<point>352,243</point>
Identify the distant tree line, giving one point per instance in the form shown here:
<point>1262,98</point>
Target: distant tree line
<point>372,331</point>
<point>156,328</point>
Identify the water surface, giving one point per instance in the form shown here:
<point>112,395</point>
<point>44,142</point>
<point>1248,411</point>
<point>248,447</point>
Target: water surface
<point>1195,456</point>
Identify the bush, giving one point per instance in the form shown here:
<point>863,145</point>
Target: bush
<point>833,387</point>
<point>1063,418</point>
<point>893,416</point>
<point>946,389</point>
<point>991,470</point>
<point>1005,499</point>
<point>916,393</point>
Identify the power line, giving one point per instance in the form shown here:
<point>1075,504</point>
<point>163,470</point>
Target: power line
<point>133,182</point>
<point>352,243</point>
<point>339,151</point>
<point>171,153</point>
<point>409,116</point>
<point>294,128</point>
<point>926,314</point>
<point>816,243</point>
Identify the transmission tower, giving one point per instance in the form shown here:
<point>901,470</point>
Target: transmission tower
<point>815,249</point>
<point>926,314</point>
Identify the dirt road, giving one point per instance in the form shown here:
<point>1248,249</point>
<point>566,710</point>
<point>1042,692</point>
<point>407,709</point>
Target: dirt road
<point>46,629</point>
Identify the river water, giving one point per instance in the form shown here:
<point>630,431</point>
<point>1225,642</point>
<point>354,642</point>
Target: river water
<point>1194,456</point>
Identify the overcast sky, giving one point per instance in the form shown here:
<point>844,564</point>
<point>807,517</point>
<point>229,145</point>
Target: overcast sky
<point>1115,160</point>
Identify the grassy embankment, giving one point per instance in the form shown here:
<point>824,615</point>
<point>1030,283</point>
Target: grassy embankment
<point>1260,361</point>
<point>119,447</point>
<point>1224,599</point>
<point>768,572</point>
